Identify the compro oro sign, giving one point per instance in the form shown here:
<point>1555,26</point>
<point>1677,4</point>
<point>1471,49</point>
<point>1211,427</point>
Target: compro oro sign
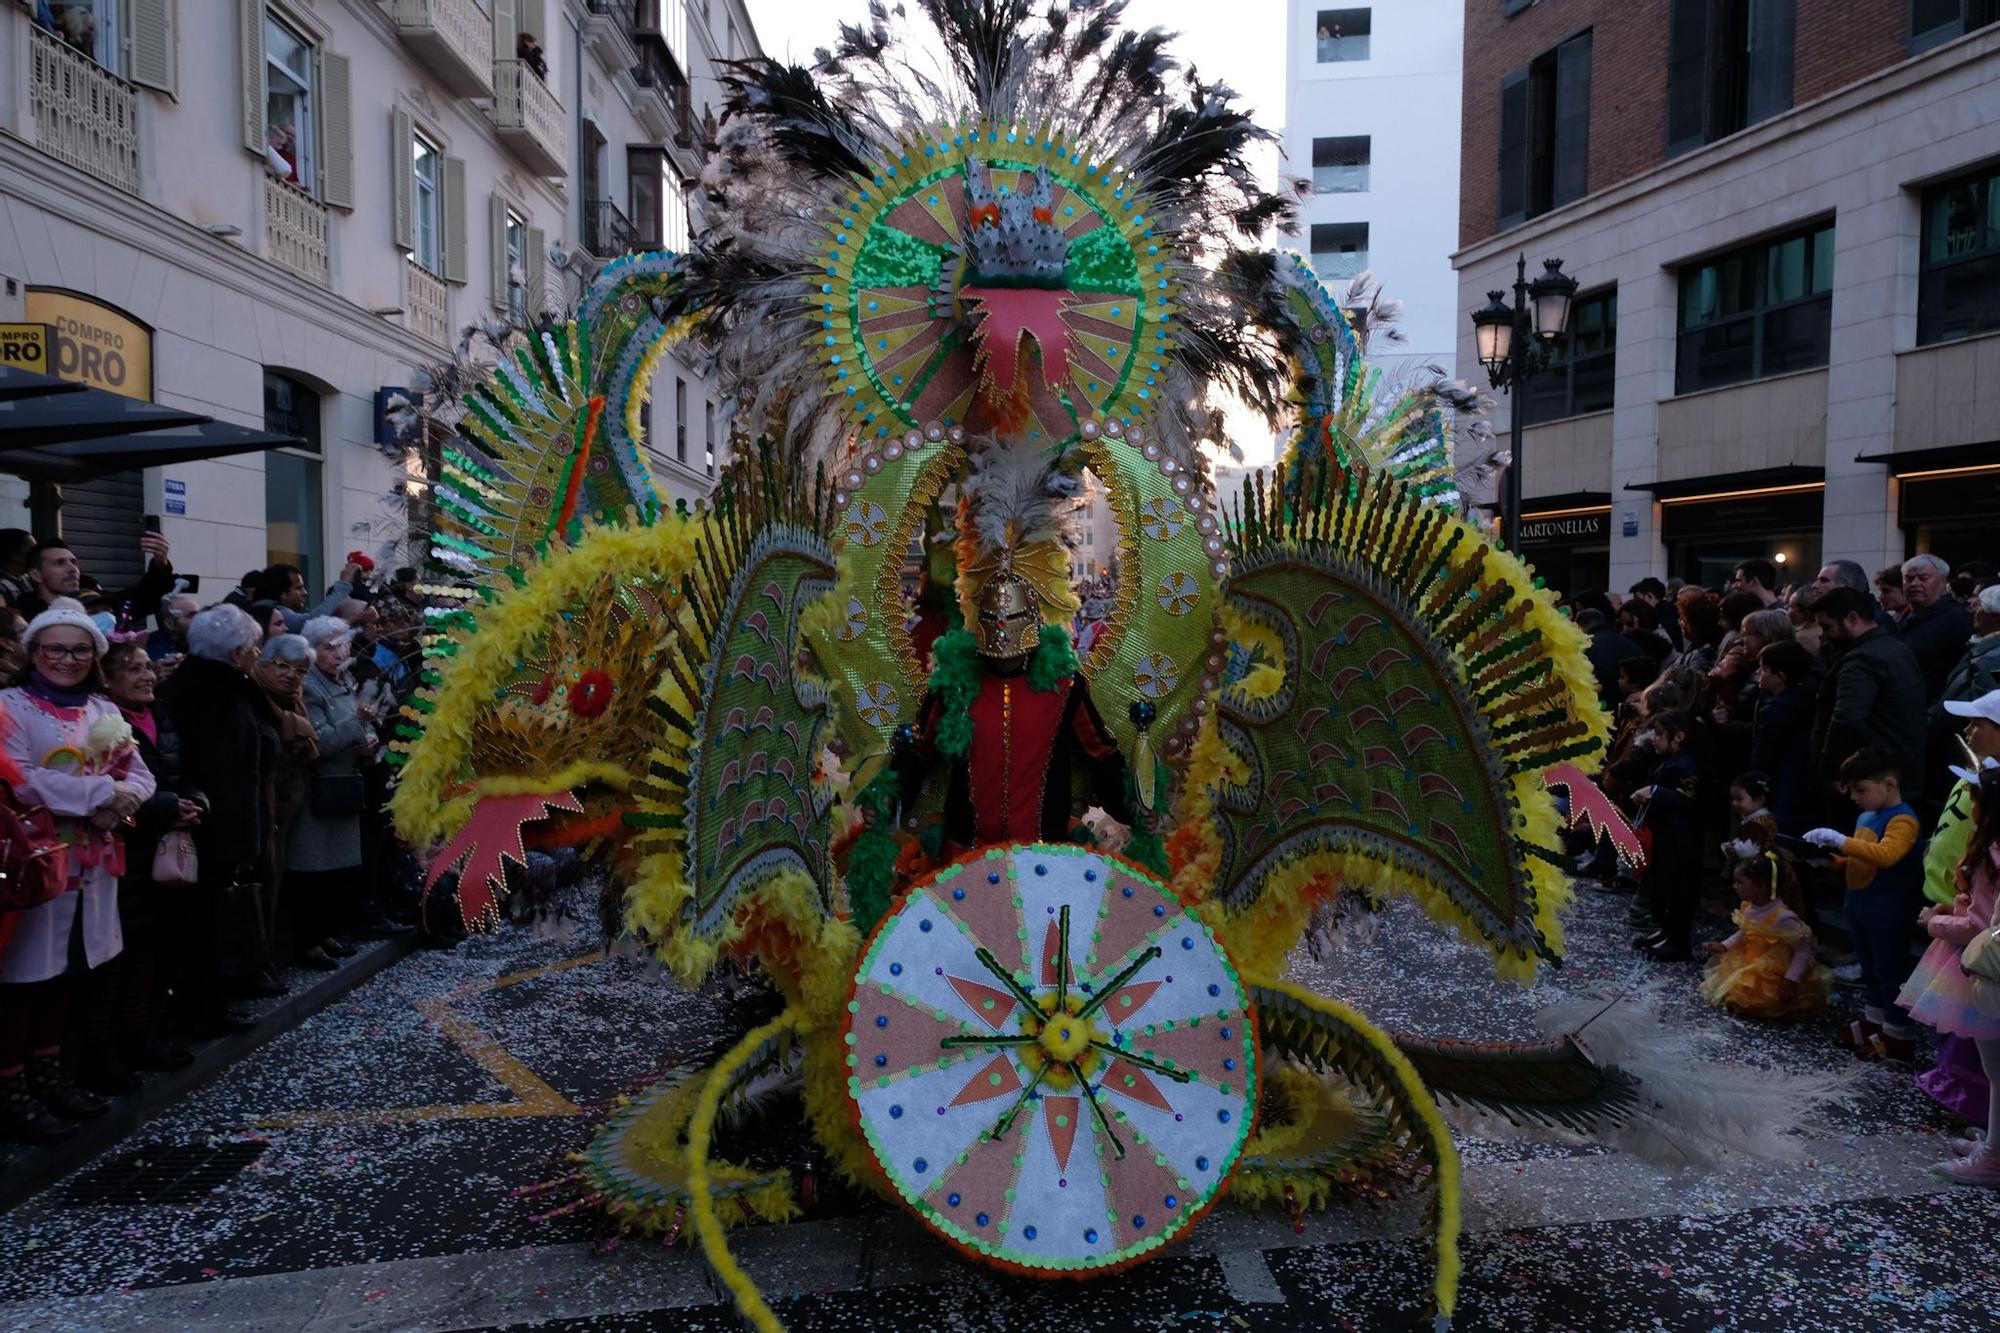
<point>26,347</point>
<point>95,344</point>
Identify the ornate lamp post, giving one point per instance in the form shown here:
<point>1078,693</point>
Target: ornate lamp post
<point>1514,343</point>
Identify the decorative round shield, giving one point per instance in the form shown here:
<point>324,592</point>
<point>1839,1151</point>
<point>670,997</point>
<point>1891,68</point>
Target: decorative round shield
<point>1052,1059</point>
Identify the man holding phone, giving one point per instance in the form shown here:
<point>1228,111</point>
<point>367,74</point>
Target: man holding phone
<point>54,571</point>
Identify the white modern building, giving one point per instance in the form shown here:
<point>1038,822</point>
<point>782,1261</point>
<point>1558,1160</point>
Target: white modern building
<point>280,208</point>
<point>1372,119</point>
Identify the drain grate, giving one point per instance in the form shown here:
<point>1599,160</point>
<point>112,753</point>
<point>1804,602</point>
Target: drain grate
<point>162,1173</point>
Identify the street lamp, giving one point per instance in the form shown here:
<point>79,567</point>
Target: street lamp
<point>1514,343</point>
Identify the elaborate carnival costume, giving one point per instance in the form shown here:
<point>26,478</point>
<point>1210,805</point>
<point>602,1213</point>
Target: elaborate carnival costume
<point>1057,1057</point>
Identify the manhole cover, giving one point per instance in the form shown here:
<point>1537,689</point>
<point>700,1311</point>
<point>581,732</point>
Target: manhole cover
<point>162,1173</point>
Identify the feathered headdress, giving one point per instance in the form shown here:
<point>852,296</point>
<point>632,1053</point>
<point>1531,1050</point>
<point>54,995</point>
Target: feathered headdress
<point>1015,517</point>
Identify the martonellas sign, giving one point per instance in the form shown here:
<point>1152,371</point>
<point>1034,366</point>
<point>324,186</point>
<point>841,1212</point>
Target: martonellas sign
<point>94,343</point>
<point>1568,528</point>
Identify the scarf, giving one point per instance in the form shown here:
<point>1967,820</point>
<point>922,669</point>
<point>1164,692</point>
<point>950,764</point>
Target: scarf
<point>142,722</point>
<point>295,729</point>
<point>63,696</point>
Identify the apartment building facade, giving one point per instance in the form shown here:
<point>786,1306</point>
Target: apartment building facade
<point>278,210</point>
<point>1372,120</point>
<point>1785,219</point>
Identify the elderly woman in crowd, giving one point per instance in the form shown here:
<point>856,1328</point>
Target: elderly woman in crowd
<point>122,1012</point>
<point>227,751</point>
<point>323,858</point>
<point>281,671</point>
<point>76,758</point>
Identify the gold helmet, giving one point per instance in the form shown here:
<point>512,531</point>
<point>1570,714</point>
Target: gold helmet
<point>1013,565</point>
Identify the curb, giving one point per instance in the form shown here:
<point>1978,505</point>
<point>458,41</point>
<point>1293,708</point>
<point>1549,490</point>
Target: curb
<point>38,1168</point>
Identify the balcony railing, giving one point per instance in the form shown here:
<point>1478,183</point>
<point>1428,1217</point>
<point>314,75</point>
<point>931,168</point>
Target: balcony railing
<point>84,114</point>
<point>427,314</point>
<point>608,31</point>
<point>455,39</point>
<point>528,117</point>
<point>607,232</point>
<point>295,231</point>
<point>1340,265</point>
<point>1344,178</point>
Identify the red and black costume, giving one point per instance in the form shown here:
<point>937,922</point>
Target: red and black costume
<point>1014,783</point>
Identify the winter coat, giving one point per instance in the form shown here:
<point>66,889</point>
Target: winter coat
<point>1874,696</point>
<point>225,753</point>
<point>323,842</point>
<point>1976,673</point>
<point>162,809</point>
<point>1937,636</point>
<point>1779,740</point>
<point>36,732</point>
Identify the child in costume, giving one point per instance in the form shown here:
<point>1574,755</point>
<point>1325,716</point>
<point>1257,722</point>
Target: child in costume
<point>1940,993</point>
<point>1957,1082</point>
<point>1757,833</point>
<point>1766,969</point>
<point>1883,872</point>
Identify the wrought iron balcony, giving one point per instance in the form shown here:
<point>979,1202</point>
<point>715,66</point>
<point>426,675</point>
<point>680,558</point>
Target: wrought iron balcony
<point>295,231</point>
<point>84,114</point>
<point>528,117</point>
<point>607,232</point>
<point>663,91</point>
<point>454,39</point>
<point>607,31</point>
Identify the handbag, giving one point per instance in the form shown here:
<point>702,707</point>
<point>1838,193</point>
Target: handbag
<point>1981,957</point>
<point>337,795</point>
<point>34,861</point>
<point>174,858</point>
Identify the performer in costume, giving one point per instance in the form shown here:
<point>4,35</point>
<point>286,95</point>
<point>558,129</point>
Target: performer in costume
<point>1008,712</point>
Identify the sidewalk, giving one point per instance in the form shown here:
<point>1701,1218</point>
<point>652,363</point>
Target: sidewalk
<point>29,1170</point>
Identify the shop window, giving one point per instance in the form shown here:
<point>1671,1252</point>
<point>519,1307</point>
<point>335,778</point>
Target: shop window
<point>680,420</point>
<point>1343,34</point>
<point>290,103</point>
<point>1544,159</point>
<point>1935,22</point>
<point>292,481</point>
<point>1582,367</point>
<point>426,202</point>
<point>1760,310</point>
<point>1340,165</point>
<point>1729,65</point>
<point>1339,250</point>
<point>1958,282</point>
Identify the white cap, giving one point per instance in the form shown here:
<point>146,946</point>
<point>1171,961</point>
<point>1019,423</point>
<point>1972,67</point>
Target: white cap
<point>69,611</point>
<point>1985,706</point>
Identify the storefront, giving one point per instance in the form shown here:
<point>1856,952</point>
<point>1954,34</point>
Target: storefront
<point>1567,538</point>
<point>1948,501</point>
<point>1712,524</point>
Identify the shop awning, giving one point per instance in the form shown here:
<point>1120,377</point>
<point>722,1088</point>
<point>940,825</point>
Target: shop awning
<point>1726,484</point>
<point>74,436</point>
<point>1569,500</point>
<point>27,384</point>
<point>1946,458</point>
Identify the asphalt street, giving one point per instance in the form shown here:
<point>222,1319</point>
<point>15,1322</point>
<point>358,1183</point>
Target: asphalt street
<point>362,1172</point>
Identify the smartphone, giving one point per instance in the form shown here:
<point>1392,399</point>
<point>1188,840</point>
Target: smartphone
<point>150,522</point>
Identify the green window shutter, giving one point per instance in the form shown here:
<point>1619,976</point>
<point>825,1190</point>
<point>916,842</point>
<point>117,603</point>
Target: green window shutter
<point>496,241</point>
<point>150,24</point>
<point>534,273</point>
<point>250,53</point>
<point>336,132</point>
<point>454,220</point>
<point>402,169</point>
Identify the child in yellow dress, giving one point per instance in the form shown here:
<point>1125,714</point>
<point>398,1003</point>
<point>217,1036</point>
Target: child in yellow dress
<point>1766,969</point>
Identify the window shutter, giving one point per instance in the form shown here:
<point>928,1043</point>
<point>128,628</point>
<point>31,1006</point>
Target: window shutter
<point>336,132</point>
<point>1572,146</point>
<point>506,22</point>
<point>496,241</point>
<point>150,24</point>
<point>1687,75</point>
<point>535,273</point>
<point>1514,148</point>
<point>402,169</point>
<point>250,52</point>
<point>1772,30</point>
<point>454,220</point>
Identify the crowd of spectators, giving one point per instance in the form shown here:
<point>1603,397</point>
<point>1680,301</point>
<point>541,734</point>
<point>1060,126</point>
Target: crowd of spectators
<point>1811,756</point>
<point>215,770</point>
